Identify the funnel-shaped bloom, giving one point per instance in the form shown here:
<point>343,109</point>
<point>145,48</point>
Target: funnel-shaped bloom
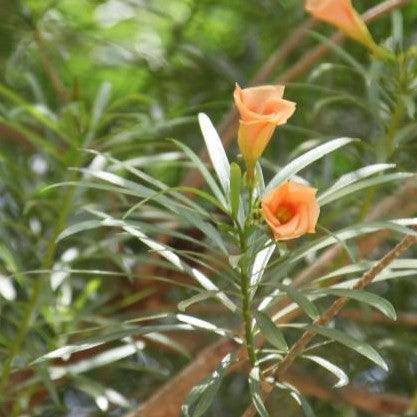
<point>291,210</point>
<point>261,110</point>
<point>341,14</point>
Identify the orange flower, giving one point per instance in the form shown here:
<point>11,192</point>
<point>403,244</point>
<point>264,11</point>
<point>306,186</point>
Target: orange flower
<point>341,14</point>
<point>291,210</point>
<point>261,110</point>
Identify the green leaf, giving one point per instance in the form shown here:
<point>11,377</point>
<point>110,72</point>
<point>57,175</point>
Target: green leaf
<point>348,58</point>
<point>204,171</point>
<point>203,394</point>
<point>256,392</point>
<point>120,333</point>
<point>202,324</point>
<point>349,233</point>
<point>381,304</point>
<point>306,159</point>
<point>42,116</point>
<point>201,296</point>
<point>300,299</point>
<point>235,187</point>
<point>181,265</point>
<point>260,263</point>
<point>260,179</point>
<point>42,371</point>
<point>360,185</point>
<point>362,348</point>
<point>355,176</point>
<point>216,151</point>
<point>343,379</point>
<point>405,263</point>
<point>303,403</point>
<point>271,332</point>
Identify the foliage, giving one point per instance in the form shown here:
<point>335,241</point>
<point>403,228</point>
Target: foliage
<point>113,272</point>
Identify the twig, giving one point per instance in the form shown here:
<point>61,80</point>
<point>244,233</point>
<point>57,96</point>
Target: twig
<point>12,135</point>
<point>298,347</point>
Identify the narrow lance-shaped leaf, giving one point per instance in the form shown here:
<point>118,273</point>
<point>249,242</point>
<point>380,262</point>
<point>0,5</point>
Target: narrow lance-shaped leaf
<point>356,176</point>
<point>381,304</point>
<point>360,185</point>
<point>306,159</point>
<point>181,265</point>
<point>201,324</point>
<point>204,171</point>
<point>303,403</point>
<point>235,187</point>
<point>203,394</point>
<point>201,296</point>
<point>271,332</point>
<point>343,379</point>
<point>100,104</point>
<point>365,265</point>
<point>362,348</point>
<point>260,263</point>
<point>216,151</point>
<point>300,299</point>
<point>256,393</point>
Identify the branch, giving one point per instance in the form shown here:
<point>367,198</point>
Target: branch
<point>12,135</point>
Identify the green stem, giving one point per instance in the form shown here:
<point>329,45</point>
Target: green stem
<point>247,317</point>
<point>245,286</point>
<point>39,285</point>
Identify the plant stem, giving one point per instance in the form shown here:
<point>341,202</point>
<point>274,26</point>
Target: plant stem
<point>245,286</point>
<point>39,285</point>
<point>247,316</point>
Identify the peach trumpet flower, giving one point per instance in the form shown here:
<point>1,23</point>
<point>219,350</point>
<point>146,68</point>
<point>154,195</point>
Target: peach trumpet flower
<point>343,15</point>
<point>261,110</point>
<point>291,210</point>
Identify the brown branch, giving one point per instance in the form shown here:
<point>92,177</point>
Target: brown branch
<point>298,347</point>
<point>12,135</point>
